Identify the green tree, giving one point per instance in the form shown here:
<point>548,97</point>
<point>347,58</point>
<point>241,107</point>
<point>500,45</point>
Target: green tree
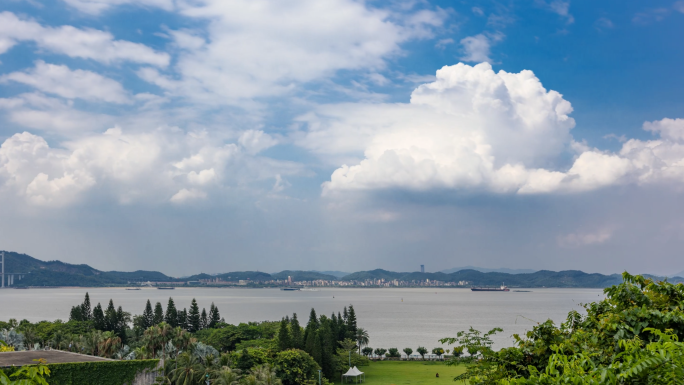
<point>408,352</point>
<point>194,317</point>
<point>214,316</point>
<point>328,344</point>
<point>296,367</point>
<point>158,314</point>
<point>171,316</point>
<point>296,332</point>
<point>630,337</point>
<point>86,312</point>
<point>393,353</point>
<point>76,313</point>
<point>245,361</point>
<point>367,351</point>
<point>351,323</point>
<point>147,316</point>
<point>183,319</point>
<point>422,351</point>
<point>362,338</point>
<point>438,352</point>
<point>310,332</point>
<point>265,374</point>
<point>204,319</point>
<point>380,352</point>
<point>341,326</point>
<point>227,376</point>
<point>284,340</point>
<point>98,318</point>
<point>111,320</point>
<point>189,371</point>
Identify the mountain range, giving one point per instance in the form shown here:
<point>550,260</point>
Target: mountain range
<point>56,273</point>
<point>485,270</point>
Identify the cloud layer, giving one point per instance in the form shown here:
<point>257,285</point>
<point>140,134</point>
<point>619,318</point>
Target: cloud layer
<point>474,129</point>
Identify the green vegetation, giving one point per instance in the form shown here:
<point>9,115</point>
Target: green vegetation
<point>200,347</point>
<point>410,373</point>
<point>631,337</point>
<point>26,375</point>
<point>86,373</point>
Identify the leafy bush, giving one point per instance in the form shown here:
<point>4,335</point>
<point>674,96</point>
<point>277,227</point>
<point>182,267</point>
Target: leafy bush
<point>296,367</point>
<point>393,353</point>
<point>631,337</point>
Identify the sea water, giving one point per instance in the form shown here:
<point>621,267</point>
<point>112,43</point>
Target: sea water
<point>393,317</point>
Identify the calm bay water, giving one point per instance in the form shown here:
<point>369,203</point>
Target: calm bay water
<point>393,317</point>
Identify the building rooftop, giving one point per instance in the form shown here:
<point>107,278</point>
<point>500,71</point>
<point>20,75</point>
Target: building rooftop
<point>51,356</point>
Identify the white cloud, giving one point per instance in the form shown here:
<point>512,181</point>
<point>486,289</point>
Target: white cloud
<point>255,141</point>
<point>679,6</point>
<point>586,238</point>
<point>97,6</point>
<point>202,177</point>
<point>478,11</point>
<point>149,166</point>
<point>444,42</point>
<point>560,7</point>
<point>40,112</point>
<point>477,48</point>
<point>74,42</point>
<point>60,80</point>
<point>185,195</point>
<point>267,47</point>
<point>476,129</point>
<point>670,129</point>
<point>603,23</point>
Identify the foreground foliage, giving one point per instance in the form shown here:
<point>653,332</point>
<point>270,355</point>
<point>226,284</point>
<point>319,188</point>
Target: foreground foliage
<point>631,337</point>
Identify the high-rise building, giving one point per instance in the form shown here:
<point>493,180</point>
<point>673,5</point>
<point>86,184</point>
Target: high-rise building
<point>422,268</point>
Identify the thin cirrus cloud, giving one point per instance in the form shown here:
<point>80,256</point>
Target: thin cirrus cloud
<point>473,130</point>
<point>75,42</point>
<point>62,81</point>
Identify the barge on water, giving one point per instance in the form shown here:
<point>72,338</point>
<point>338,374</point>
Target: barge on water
<point>481,288</point>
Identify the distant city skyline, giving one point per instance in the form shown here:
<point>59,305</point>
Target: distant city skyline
<point>217,136</point>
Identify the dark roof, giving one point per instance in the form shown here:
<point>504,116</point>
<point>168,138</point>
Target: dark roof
<point>51,356</point>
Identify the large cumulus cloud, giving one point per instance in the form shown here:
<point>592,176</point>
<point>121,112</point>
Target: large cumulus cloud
<point>473,128</point>
<point>161,165</point>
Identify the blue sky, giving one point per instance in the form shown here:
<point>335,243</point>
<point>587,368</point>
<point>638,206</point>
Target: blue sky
<point>189,136</point>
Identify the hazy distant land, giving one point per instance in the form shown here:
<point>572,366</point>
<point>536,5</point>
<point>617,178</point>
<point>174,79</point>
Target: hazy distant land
<point>56,273</point>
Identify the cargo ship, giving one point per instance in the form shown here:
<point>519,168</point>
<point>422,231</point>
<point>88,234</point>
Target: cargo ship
<point>502,288</point>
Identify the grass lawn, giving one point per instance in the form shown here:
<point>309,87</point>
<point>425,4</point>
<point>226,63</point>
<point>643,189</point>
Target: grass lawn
<point>410,372</point>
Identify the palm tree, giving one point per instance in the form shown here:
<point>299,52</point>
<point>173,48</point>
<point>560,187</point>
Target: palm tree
<point>362,338</point>
<point>189,371</point>
<point>227,376</point>
<point>108,344</point>
<point>266,375</point>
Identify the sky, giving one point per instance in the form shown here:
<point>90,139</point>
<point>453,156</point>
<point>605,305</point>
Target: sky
<point>189,136</point>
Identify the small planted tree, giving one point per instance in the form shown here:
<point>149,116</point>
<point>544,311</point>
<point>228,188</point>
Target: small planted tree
<point>438,352</point>
<point>422,351</point>
<point>408,352</point>
<point>367,351</point>
<point>393,353</point>
<point>380,352</point>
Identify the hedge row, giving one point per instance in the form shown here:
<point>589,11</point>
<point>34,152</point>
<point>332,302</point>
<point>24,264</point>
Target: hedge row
<point>99,372</point>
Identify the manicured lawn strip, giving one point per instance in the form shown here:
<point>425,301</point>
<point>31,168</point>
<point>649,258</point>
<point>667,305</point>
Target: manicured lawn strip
<point>410,372</point>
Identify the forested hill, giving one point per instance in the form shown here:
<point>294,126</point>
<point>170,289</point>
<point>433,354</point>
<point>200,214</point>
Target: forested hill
<point>542,278</point>
<point>56,273</point>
